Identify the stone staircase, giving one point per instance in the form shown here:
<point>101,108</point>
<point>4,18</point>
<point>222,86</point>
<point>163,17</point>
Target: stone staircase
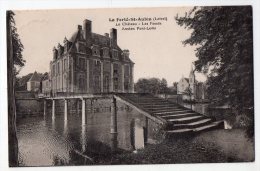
<point>179,120</point>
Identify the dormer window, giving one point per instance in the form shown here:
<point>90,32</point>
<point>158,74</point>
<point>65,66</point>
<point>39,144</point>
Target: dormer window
<point>95,50</point>
<point>80,47</point>
<point>115,54</point>
<point>105,52</point>
<point>125,55</point>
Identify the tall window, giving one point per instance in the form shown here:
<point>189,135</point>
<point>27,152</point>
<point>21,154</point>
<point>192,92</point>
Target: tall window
<point>106,84</point>
<point>127,70</point>
<point>81,83</point>
<point>64,64</point>
<point>115,84</point>
<point>96,84</point>
<point>58,68</point>
<point>115,69</point>
<point>105,52</point>
<point>53,70</point>
<point>126,84</point>
<point>82,63</point>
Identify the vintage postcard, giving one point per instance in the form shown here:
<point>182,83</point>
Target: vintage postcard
<point>127,86</point>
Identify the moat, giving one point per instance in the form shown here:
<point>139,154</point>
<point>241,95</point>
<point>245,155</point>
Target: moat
<point>44,141</point>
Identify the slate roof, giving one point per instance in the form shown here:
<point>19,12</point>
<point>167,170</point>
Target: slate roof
<point>35,77</point>
<point>97,39</point>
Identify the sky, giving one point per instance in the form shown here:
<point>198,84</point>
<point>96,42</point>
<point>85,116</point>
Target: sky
<point>156,53</point>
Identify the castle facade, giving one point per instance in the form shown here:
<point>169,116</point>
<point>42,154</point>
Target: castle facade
<point>90,63</point>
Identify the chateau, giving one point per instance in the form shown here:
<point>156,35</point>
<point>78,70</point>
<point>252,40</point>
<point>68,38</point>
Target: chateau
<point>197,89</point>
<point>90,63</point>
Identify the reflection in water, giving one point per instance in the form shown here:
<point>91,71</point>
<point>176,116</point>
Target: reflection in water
<point>45,141</point>
<point>53,122</point>
<point>65,131</point>
<point>83,138</point>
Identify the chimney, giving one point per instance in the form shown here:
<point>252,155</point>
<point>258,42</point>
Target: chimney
<point>87,28</point>
<point>113,36</point>
<point>54,53</point>
<point>79,27</point>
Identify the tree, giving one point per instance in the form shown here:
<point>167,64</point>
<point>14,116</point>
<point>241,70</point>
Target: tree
<point>163,86</point>
<point>223,36</point>
<point>21,82</point>
<point>14,59</point>
<point>151,85</point>
<point>188,92</point>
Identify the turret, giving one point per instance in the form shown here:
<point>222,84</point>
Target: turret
<point>66,45</point>
<point>60,50</point>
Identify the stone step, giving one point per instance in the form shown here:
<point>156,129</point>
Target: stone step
<point>160,105</point>
<point>213,125</point>
<point>145,98</point>
<point>155,99</point>
<point>161,108</point>
<point>150,103</point>
<point>186,120</point>
<point>175,116</point>
<point>180,120</point>
<point>185,130</point>
<point>177,111</point>
<point>209,126</point>
<point>192,124</point>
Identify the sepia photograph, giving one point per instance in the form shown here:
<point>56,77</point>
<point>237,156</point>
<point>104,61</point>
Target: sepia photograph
<point>130,86</point>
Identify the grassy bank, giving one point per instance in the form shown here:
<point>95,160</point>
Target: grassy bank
<point>217,146</point>
<point>209,147</point>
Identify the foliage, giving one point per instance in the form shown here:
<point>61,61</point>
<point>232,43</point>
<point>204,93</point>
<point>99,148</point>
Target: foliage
<point>151,85</point>
<point>188,91</point>
<point>224,48</point>
<point>16,42</point>
<point>21,82</point>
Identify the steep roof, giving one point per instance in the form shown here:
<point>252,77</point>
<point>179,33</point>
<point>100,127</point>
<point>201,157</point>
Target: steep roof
<point>73,36</point>
<point>35,77</point>
<point>96,39</point>
<point>186,79</point>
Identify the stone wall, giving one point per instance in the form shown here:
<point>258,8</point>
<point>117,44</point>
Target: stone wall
<point>29,107</point>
